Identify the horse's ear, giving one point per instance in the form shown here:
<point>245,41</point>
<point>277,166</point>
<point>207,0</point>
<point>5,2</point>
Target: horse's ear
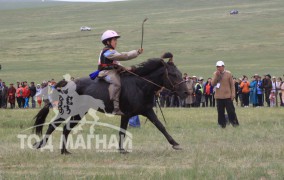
<point>170,63</point>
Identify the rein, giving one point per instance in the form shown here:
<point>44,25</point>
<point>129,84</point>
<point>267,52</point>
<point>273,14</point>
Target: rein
<point>151,82</point>
<point>162,87</point>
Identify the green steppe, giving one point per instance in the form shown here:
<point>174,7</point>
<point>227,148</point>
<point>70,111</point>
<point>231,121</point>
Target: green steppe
<point>40,41</point>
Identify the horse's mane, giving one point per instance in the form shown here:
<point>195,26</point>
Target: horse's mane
<point>148,66</point>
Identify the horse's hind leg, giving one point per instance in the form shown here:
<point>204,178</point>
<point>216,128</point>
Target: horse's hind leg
<point>52,126</point>
<point>66,130</point>
<point>123,126</point>
<point>150,114</point>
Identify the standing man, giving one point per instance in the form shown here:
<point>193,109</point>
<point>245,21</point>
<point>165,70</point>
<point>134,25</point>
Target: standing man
<point>11,96</point>
<point>259,91</point>
<point>267,86</point>
<point>4,95</point>
<point>33,93</point>
<point>198,91</point>
<point>190,88</point>
<point>225,94</point>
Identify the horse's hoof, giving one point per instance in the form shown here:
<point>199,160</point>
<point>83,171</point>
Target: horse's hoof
<point>177,147</point>
<point>65,152</point>
<point>123,151</point>
<point>235,124</point>
<point>37,145</point>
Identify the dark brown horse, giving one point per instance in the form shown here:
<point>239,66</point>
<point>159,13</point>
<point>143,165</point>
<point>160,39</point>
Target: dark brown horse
<point>136,98</point>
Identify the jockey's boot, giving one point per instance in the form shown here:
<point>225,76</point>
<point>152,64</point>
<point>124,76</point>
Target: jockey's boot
<point>116,109</point>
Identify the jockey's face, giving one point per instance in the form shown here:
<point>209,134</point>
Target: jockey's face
<point>113,42</point>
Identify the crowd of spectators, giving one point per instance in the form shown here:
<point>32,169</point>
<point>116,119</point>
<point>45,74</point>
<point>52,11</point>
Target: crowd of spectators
<point>200,94</point>
<point>257,92</point>
<point>260,91</point>
<point>23,94</point>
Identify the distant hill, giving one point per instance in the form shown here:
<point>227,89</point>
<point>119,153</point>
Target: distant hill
<point>20,1</point>
<point>22,4</point>
<point>42,40</point>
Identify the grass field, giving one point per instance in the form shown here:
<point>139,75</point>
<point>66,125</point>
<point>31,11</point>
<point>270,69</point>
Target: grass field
<point>254,150</point>
<point>40,41</point>
<point>44,42</point>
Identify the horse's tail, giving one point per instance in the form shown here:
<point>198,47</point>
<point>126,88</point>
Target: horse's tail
<point>40,119</point>
<point>42,114</point>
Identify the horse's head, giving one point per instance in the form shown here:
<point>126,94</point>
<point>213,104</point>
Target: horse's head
<point>173,80</point>
<point>172,77</point>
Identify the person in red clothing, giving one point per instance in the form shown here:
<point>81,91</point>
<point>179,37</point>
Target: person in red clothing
<point>19,94</point>
<point>208,92</point>
<point>245,91</point>
<point>26,94</point>
<point>11,96</point>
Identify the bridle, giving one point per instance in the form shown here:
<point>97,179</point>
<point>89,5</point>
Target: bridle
<point>173,84</point>
<point>166,74</point>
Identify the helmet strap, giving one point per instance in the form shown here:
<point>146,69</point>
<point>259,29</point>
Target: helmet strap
<point>108,43</point>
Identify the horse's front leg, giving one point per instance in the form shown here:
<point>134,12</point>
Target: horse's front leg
<point>150,114</point>
<point>123,127</point>
<point>66,130</point>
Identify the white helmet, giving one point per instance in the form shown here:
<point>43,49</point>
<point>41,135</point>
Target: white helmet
<point>109,34</point>
<point>220,63</point>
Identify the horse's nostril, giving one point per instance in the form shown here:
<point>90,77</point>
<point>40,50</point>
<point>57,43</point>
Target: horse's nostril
<point>186,93</point>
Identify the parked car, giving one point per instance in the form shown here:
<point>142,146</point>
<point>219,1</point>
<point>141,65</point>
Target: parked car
<point>234,11</point>
<point>85,28</point>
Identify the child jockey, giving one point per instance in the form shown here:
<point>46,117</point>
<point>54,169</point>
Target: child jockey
<point>109,62</point>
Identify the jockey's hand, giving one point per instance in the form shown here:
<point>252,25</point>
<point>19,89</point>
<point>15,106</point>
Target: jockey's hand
<point>122,69</point>
<point>140,51</point>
